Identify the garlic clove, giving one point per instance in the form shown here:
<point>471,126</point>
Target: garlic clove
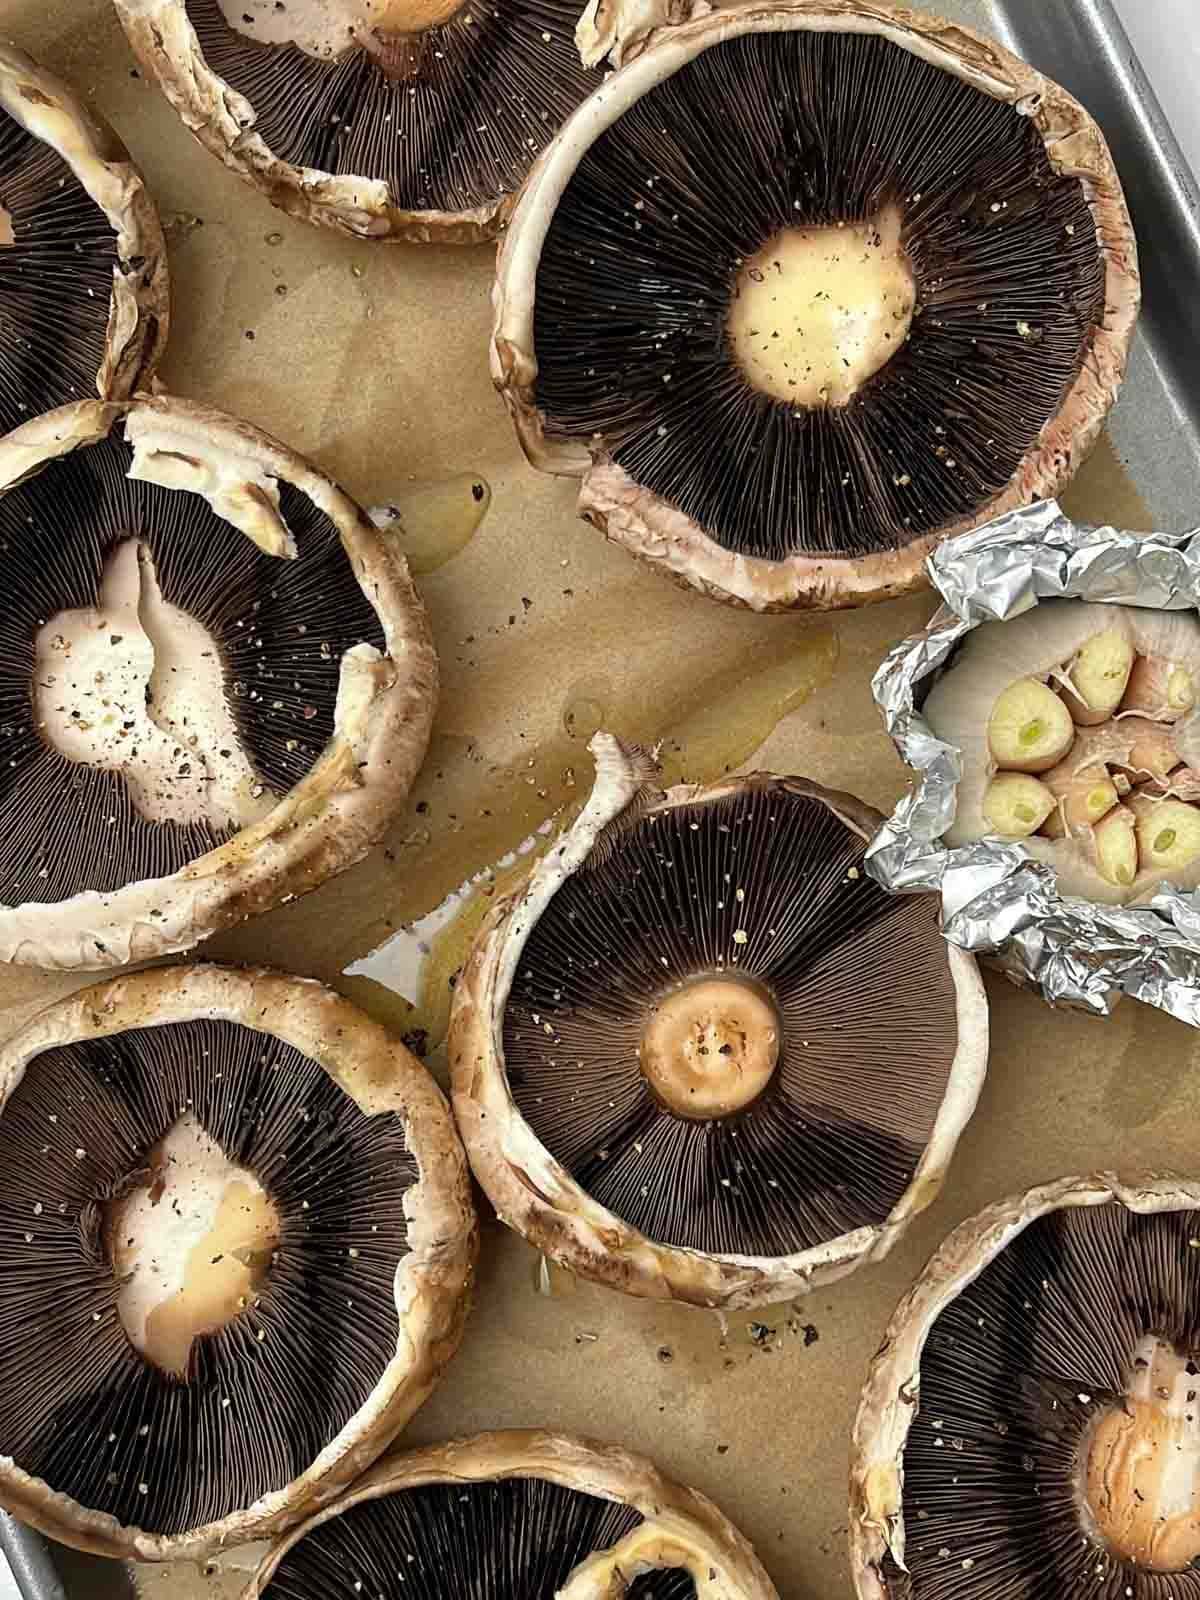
<point>1030,728</point>
<point>1168,833</point>
<point>1115,847</point>
<point>1096,680</point>
<point>1160,689</point>
<point>1017,805</point>
<point>1084,792</point>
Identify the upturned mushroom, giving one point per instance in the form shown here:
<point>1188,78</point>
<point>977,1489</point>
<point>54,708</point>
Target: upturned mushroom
<point>385,119</point>
<point>217,681</point>
<point>238,1247</point>
<point>1080,738</point>
<point>700,1055</point>
<point>1030,1424</point>
<point>83,266</point>
<point>803,289</point>
<point>521,1513</point>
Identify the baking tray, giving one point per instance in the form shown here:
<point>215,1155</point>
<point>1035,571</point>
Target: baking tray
<point>373,360</point>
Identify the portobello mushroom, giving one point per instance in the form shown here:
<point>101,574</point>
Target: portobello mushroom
<point>1030,1427</point>
<point>522,1513</point>
<point>699,1055</point>
<point>385,119</point>
<point>83,266</point>
<point>216,681</point>
<point>239,1243</point>
<point>803,289</point>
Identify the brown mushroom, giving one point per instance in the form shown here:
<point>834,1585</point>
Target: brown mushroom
<point>83,266</point>
<point>700,1054</point>
<point>217,680</point>
<point>238,1242</point>
<point>1030,1425</point>
<point>385,119</point>
<point>789,336</point>
<point>514,1514</point>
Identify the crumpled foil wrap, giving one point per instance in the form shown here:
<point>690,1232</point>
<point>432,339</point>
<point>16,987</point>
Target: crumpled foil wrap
<point>996,900</point>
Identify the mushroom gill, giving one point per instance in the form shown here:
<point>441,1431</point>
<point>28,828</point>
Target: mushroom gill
<point>83,275</point>
<point>417,119</point>
<point>202,641</point>
<point>721,1036</point>
<point>521,1513</point>
<point>216,1255</point>
<point>890,309</point>
<point>1055,1449</point>
<point>100,784</point>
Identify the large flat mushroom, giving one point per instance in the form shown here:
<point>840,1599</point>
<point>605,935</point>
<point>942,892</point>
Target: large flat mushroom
<point>803,289</point>
<point>699,1055</point>
<point>216,683</point>
<point>1030,1429</point>
<point>385,119</point>
<point>520,1513</point>
<point>83,265</point>
<point>238,1248</point>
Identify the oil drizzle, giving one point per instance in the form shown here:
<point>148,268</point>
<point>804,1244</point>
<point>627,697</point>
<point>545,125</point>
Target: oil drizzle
<point>433,522</point>
<point>710,734</point>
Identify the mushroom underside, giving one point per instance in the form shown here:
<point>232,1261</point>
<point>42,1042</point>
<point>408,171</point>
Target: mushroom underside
<point>58,254</point>
<point>115,1248</point>
<point>450,117</point>
<point>834,140</point>
<point>104,760</point>
<point>517,1536</point>
<point>750,916</point>
<point>1056,1450</point>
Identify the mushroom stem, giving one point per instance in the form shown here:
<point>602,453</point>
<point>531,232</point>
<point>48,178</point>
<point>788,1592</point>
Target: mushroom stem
<point>1141,1464</point>
<point>711,1047</point>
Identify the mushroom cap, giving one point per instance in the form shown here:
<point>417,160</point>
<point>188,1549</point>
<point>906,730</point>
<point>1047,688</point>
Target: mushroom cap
<point>541,1193</point>
<point>73,162</point>
<point>354,751</point>
<point>644,521</point>
<point>347,1056</point>
<point>225,88</point>
<point>680,1528</point>
<point>891,1398</point>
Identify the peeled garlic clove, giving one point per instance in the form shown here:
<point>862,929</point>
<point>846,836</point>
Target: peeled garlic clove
<point>1159,689</point>
<point>1016,805</point>
<point>1098,675</point>
<point>1168,833</point>
<point>1084,793</point>
<point>1115,847</point>
<point>1030,729</point>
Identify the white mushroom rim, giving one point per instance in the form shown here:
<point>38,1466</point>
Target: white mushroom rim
<point>880,1540</point>
<point>648,521</point>
<point>137,703</point>
<point>137,309</point>
<point>678,1528</point>
<point>432,1277</point>
<point>534,1192</point>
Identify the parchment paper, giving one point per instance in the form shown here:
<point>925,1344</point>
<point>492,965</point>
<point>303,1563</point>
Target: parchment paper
<point>374,362</point>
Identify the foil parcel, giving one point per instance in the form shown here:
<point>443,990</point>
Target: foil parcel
<point>996,900</point>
